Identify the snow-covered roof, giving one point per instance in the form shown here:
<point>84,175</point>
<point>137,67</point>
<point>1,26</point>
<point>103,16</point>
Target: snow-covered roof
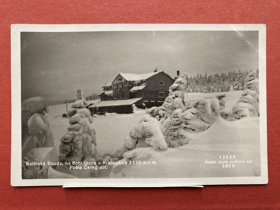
<point>137,77</point>
<point>110,92</point>
<point>107,85</point>
<point>116,102</point>
<point>93,101</point>
<point>137,88</point>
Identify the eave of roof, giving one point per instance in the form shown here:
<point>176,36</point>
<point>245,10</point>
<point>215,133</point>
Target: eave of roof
<point>116,102</point>
<point>135,88</point>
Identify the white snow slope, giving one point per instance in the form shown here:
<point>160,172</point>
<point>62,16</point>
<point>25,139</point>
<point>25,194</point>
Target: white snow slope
<point>237,142</point>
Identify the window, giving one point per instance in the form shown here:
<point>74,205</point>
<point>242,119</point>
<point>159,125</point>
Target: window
<point>161,94</point>
<point>161,82</point>
<point>140,94</point>
<point>126,95</point>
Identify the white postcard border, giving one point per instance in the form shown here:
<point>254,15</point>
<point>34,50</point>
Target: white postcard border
<point>16,179</point>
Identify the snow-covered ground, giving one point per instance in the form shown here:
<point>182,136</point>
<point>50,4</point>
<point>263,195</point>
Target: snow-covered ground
<point>111,129</point>
<point>224,141</point>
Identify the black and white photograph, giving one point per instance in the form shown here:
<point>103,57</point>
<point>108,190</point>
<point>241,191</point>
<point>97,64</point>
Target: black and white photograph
<point>138,105</point>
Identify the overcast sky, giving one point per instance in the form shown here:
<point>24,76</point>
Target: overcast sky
<point>55,65</point>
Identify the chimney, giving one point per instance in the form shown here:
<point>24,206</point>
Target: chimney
<point>178,73</point>
<point>155,70</point>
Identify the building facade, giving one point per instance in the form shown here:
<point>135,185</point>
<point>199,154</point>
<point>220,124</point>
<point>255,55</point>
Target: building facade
<point>142,90</point>
<point>152,88</point>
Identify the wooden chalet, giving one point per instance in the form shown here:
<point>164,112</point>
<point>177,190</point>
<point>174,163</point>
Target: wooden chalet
<point>143,90</point>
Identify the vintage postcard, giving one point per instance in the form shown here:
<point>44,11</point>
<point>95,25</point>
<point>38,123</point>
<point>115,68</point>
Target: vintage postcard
<point>138,105</point>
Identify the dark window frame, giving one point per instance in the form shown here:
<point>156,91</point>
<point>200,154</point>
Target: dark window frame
<point>163,94</point>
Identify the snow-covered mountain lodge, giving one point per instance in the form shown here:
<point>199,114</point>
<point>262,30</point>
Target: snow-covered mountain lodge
<point>143,90</point>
